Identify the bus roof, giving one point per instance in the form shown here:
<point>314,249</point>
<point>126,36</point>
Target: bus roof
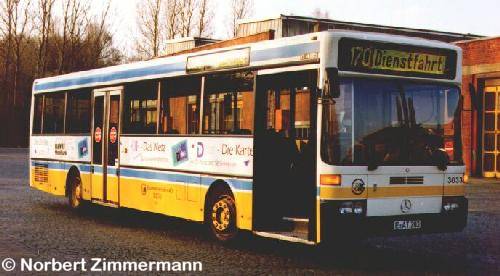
<point>259,54</point>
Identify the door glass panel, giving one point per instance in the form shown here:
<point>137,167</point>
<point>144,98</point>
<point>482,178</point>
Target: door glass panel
<point>98,130</point>
<point>491,131</point>
<point>489,160</point>
<point>114,111</point>
<point>489,142</point>
<point>489,121</point>
<point>489,101</point>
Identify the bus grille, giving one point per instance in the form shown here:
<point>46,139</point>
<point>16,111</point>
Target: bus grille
<point>41,173</point>
<point>401,180</point>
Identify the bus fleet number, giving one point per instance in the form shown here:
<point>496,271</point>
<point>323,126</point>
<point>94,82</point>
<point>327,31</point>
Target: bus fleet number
<point>455,179</point>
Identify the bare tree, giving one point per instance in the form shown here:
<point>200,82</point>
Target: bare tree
<point>20,23</point>
<point>151,29</point>
<point>45,27</point>
<point>98,39</point>
<point>75,21</point>
<point>7,29</point>
<point>239,9</point>
<point>204,17</point>
<point>319,13</point>
<point>172,18</point>
<point>186,17</point>
<point>34,42</point>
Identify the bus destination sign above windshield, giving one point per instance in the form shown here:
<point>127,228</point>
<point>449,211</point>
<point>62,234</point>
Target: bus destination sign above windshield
<point>396,59</point>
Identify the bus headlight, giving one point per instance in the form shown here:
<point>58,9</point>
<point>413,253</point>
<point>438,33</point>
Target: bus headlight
<point>345,208</point>
<point>351,207</point>
<point>450,204</point>
<point>358,208</point>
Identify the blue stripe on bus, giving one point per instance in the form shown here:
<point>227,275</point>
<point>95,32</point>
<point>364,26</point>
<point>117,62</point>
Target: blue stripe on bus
<point>237,184</point>
<point>175,177</point>
<point>114,76</point>
<point>255,56</point>
<point>284,52</point>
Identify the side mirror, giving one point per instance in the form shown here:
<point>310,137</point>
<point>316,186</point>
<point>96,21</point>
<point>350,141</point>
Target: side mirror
<point>331,88</point>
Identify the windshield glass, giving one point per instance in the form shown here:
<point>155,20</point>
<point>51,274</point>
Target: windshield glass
<point>391,122</point>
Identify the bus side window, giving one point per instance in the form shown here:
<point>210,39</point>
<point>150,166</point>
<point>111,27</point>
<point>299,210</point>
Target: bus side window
<point>180,106</point>
<point>37,115</point>
<point>228,104</point>
<point>78,112</point>
<point>140,108</point>
<point>53,113</point>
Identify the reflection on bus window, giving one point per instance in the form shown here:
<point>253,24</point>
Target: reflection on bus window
<point>53,113</point>
<point>179,106</point>
<point>229,104</point>
<point>394,123</point>
<point>78,112</point>
<point>337,126</point>
<point>140,108</point>
<point>288,115</point>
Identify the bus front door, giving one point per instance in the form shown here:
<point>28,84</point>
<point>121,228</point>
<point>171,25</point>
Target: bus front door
<point>284,193</point>
<point>105,145</point>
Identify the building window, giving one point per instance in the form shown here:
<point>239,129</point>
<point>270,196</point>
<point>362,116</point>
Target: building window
<point>180,106</point>
<point>229,104</point>
<point>140,108</point>
<point>37,114</point>
<point>53,113</point>
<point>78,112</point>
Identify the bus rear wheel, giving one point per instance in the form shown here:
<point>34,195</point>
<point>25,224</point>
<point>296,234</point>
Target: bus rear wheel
<point>75,192</point>
<point>220,216</point>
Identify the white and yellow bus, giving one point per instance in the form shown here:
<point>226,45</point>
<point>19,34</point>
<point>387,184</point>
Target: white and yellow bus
<point>307,138</point>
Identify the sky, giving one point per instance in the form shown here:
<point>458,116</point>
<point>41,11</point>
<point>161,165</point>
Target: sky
<point>463,16</point>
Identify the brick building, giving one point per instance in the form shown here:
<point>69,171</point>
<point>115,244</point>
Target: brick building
<point>481,114</point>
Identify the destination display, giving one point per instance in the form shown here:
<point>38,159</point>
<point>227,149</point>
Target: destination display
<point>216,61</point>
<point>396,59</point>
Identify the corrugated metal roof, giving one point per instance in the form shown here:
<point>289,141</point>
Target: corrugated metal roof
<point>361,25</point>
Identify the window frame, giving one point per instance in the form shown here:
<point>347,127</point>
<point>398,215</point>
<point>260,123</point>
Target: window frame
<point>156,86</point>
<point>43,119</point>
<point>164,90</point>
<point>206,92</point>
<point>90,116</point>
<point>42,98</point>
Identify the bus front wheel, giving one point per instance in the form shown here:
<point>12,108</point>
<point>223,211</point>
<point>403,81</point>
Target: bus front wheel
<point>75,192</point>
<point>220,216</point>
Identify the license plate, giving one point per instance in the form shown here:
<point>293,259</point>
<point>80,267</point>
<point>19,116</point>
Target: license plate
<point>407,224</point>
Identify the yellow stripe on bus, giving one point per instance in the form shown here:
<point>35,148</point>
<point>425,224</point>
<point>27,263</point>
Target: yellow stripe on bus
<point>405,191</point>
<point>328,192</point>
<point>454,190</point>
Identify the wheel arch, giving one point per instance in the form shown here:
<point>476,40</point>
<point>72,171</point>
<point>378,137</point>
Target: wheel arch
<point>217,186</point>
<point>72,172</point>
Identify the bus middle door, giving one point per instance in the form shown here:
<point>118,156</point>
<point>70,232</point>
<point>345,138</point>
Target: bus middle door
<point>105,145</point>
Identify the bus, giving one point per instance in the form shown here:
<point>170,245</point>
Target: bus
<point>311,138</point>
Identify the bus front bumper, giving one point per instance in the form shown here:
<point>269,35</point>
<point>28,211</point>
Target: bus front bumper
<point>335,225</point>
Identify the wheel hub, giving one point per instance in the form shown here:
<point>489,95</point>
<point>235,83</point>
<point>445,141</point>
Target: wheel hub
<point>221,215</point>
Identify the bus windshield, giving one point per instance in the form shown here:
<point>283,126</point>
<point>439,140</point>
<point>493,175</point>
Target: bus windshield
<point>391,122</point>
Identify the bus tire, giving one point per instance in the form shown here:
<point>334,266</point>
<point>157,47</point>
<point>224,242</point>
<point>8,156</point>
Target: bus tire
<point>220,215</point>
<point>75,192</point>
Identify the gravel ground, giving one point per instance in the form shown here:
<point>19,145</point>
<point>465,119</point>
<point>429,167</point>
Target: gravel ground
<point>40,226</point>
